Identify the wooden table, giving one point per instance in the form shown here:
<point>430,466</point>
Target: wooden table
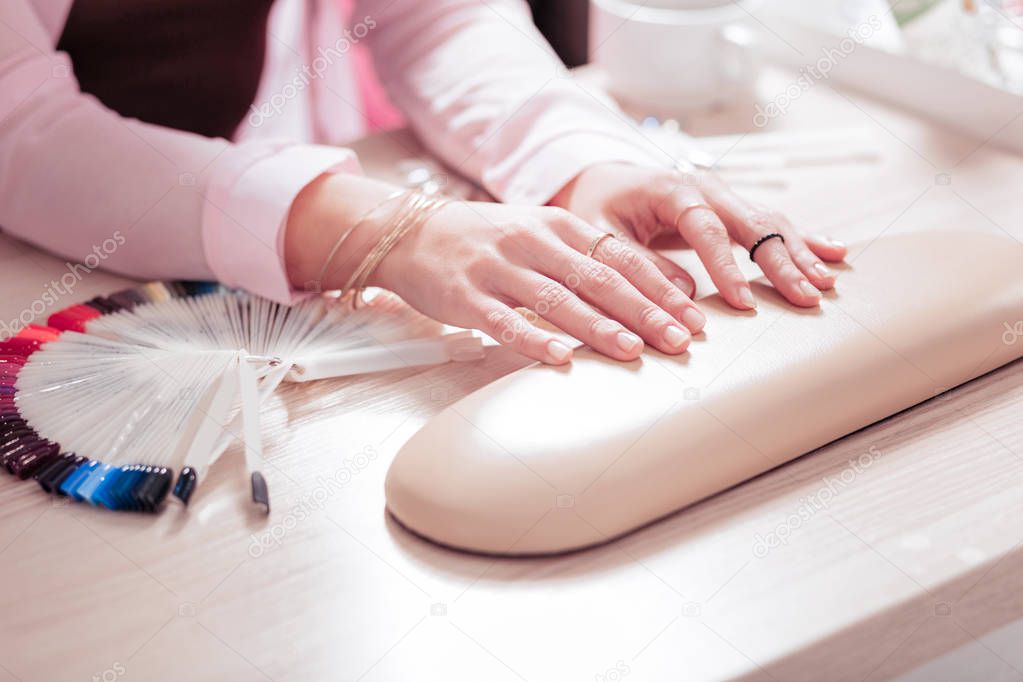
<point>913,555</point>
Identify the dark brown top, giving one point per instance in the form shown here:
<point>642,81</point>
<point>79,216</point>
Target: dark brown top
<point>187,64</point>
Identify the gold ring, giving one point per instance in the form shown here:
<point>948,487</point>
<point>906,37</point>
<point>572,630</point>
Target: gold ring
<point>595,244</point>
<point>689,207</point>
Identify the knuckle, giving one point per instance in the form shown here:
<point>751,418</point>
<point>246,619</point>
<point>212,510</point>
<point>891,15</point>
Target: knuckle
<point>497,319</point>
<point>482,266</point>
<point>802,253</point>
<point>790,272</point>
<point>676,190</point>
<point>507,227</point>
<point>667,184</point>
<point>778,259</point>
<point>783,268</point>
<point>669,295</point>
<point>623,258</point>
<point>523,235</point>
<point>596,326</point>
<point>602,280</point>
<point>650,316</point>
<point>504,328</point>
<point>762,218</point>
<point>550,296</point>
<point>709,227</point>
<point>648,269</point>
<point>582,270</point>
<point>724,262</point>
<point>803,258</point>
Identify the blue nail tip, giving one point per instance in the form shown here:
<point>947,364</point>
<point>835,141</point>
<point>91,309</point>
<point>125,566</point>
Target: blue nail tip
<point>70,484</point>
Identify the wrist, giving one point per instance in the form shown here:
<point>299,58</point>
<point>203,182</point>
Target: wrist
<point>319,215</point>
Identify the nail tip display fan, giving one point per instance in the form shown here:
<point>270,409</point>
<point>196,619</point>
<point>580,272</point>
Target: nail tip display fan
<point>110,397</point>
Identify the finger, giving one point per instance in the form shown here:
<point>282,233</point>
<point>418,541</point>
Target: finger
<point>748,223</point>
<point>509,328</point>
<point>827,248</point>
<point>774,259</point>
<point>819,274</point>
<point>609,290</point>
<point>733,210</point>
<point>773,255</point>
<point>675,273</point>
<point>580,235</point>
<point>650,281</point>
<point>644,267</point>
<point>704,231</point>
<point>559,306</point>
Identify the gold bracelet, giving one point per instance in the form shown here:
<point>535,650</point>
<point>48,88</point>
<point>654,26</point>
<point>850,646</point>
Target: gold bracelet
<point>416,211</point>
<point>343,237</point>
<point>401,215</point>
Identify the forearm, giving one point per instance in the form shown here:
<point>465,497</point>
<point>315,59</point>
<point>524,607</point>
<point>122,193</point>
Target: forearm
<point>485,93</point>
<point>75,175</point>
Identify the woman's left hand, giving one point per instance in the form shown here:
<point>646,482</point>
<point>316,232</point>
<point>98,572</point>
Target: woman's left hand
<point>644,203</point>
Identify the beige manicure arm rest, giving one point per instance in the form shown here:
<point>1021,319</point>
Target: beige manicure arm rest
<point>552,459</point>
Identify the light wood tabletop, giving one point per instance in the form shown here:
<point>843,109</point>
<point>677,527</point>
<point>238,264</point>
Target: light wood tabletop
<point>917,550</point>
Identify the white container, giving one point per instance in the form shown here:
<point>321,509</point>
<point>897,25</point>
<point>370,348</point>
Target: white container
<point>673,56</point>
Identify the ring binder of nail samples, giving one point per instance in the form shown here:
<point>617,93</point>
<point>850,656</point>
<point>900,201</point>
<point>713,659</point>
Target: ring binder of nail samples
<point>111,397</point>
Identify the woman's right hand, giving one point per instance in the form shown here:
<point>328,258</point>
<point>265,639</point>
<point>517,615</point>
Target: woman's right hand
<point>472,263</point>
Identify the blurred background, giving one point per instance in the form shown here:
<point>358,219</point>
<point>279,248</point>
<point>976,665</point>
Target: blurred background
<point>989,32</point>
<point>564,24</point>
<point>957,62</point>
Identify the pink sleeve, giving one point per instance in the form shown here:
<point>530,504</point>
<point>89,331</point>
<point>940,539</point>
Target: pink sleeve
<point>146,201</point>
<point>485,92</point>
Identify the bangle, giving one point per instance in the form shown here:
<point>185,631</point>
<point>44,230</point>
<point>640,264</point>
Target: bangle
<point>416,210</point>
<point>401,214</point>
<point>348,231</point>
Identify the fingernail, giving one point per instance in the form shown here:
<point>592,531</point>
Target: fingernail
<point>675,336</point>
<point>694,319</point>
<point>822,269</point>
<point>833,242</point>
<point>809,289</point>
<point>685,286</point>
<point>628,342</point>
<point>558,351</point>
<point>746,297</point>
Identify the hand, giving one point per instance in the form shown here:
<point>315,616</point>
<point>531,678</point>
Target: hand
<point>645,203</point>
<point>471,264</point>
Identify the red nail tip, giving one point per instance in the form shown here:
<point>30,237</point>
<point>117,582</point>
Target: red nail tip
<point>39,332</point>
<point>73,318</point>
<point>19,346</point>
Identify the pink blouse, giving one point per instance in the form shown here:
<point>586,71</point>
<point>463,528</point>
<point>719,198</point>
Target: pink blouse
<point>475,80</point>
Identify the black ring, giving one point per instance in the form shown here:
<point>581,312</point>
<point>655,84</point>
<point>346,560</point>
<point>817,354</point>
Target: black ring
<point>757,243</point>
